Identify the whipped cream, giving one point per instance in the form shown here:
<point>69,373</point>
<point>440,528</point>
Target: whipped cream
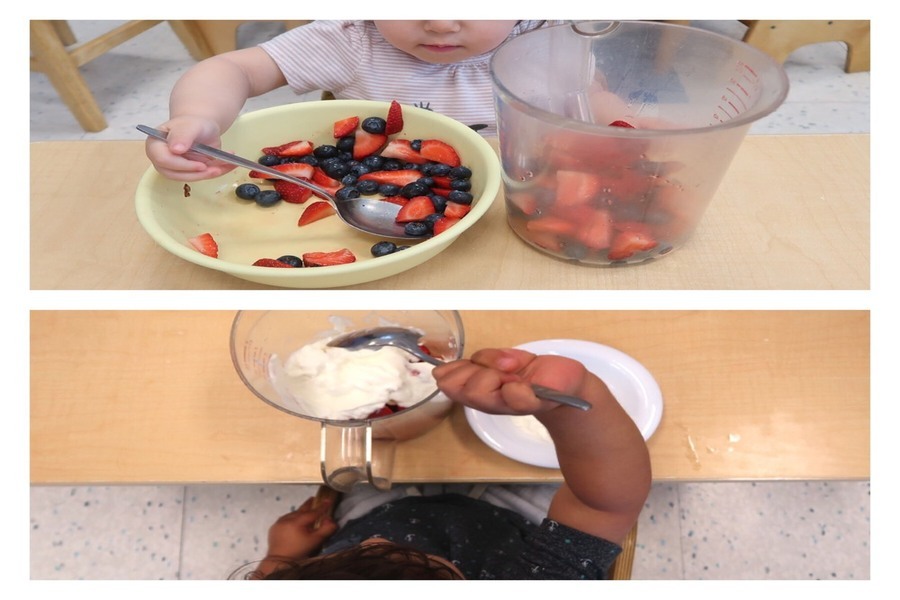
<point>338,384</point>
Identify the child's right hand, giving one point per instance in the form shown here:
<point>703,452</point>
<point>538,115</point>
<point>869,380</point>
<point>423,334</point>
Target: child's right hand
<point>498,381</point>
<point>173,159</point>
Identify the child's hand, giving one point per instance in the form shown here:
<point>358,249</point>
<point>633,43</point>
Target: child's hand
<point>300,533</point>
<point>172,158</point>
<point>498,381</point>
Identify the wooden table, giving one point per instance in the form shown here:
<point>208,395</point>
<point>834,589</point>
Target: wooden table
<point>152,397</point>
<point>791,213</point>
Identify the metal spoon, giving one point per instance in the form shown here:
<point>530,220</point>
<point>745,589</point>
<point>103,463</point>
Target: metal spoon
<point>408,340</point>
<point>369,215</point>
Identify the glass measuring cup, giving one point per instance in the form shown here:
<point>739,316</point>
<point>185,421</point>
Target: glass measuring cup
<point>614,136</point>
<point>352,451</point>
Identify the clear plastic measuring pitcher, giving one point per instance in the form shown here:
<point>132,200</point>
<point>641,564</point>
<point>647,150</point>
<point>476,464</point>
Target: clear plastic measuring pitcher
<point>614,136</point>
<point>352,451</point>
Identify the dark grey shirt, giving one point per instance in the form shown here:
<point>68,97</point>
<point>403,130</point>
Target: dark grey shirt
<point>483,541</point>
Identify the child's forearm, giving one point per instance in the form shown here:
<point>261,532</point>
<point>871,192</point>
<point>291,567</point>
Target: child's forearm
<point>217,88</point>
<point>603,458</point>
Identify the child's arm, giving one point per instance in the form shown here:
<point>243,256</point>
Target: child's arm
<point>602,455</point>
<point>205,102</point>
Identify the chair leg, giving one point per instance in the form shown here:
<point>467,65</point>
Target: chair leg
<point>621,568</point>
<point>56,63</point>
<point>64,32</point>
<point>193,39</point>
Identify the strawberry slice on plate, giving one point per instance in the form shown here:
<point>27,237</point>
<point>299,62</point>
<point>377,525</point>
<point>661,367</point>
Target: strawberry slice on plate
<point>315,212</point>
<point>416,209</point>
<point>394,120</point>
<point>441,152</point>
<point>345,127</point>
<point>402,150</point>
<point>295,148</point>
<point>291,192</point>
<point>367,144</point>
<point>205,244</point>
<point>326,259</point>
<point>456,210</point>
<point>298,170</point>
<point>399,177</point>
<point>444,223</point>
<point>271,262</point>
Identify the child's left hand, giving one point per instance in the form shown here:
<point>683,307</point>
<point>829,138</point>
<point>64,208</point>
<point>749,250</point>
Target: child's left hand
<point>295,535</point>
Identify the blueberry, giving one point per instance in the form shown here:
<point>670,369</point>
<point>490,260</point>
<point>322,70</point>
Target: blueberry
<point>347,193</point>
<point>440,203</point>
<point>411,190</point>
<point>367,187</point>
<point>374,162</point>
<point>325,151</point>
<point>389,189</point>
<point>416,145</point>
<point>426,181</point>
<point>391,164</point>
<point>416,228</point>
<point>268,160</point>
<point>460,172</point>
<point>463,185</point>
<point>359,168</point>
<point>431,219</point>
<point>373,125</point>
<point>460,197</point>
<point>309,159</point>
<point>383,248</point>
<point>349,179</point>
<point>290,259</point>
<point>268,198</point>
<point>335,168</point>
<point>345,144</point>
<point>247,191</point>
<point>439,169</point>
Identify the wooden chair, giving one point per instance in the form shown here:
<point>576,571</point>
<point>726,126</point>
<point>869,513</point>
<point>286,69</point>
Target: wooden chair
<point>221,36</point>
<point>780,38</point>
<point>55,53</point>
<point>621,568</point>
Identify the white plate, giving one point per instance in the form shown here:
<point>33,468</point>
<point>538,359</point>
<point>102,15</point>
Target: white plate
<point>524,439</point>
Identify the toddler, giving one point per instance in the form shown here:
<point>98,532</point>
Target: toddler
<point>396,535</point>
<point>438,65</point>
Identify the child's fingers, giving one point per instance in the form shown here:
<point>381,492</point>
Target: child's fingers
<point>507,360</point>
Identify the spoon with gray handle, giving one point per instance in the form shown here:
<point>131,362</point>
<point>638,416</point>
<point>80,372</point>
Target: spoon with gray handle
<point>408,340</point>
<point>368,215</point>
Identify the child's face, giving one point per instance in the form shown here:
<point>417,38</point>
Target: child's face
<point>444,42</point>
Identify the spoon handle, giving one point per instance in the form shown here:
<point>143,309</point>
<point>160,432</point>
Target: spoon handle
<point>240,162</point>
<point>555,396</point>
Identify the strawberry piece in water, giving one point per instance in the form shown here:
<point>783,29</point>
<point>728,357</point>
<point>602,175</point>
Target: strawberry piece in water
<point>416,209</point>
<point>205,244</point>
<point>271,262</point>
<point>620,123</point>
<point>631,239</point>
<point>291,192</point>
<point>441,152</point>
<point>326,259</point>
<point>296,148</point>
<point>315,212</point>
<point>345,127</point>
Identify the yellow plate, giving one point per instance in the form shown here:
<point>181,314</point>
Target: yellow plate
<point>246,232</point>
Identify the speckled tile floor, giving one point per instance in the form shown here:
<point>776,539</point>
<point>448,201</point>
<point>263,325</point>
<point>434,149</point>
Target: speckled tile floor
<point>729,530</point>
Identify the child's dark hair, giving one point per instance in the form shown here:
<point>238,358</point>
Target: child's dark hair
<point>368,561</point>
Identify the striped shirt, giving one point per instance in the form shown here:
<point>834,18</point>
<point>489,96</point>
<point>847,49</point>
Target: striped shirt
<point>352,60</point>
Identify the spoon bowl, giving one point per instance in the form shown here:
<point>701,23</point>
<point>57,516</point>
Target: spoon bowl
<point>368,215</point>
<point>408,340</point>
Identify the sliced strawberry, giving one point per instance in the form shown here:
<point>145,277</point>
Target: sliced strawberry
<point>367,144</point>
<point>298,170</point>
<point>322,178</point>
<point>271,262</point>
<point>325,259</point>
<point>396,200</point>
<point>444,223</point>
<point>441,181</point>
<point>524,201</point>
<point>381,412</point>
<point>399,177</point>
<point>551,224</point>
<point>291,192</point>
<point>205,244</point>
<point>402,150</point>
<point>416,209</point>
<point>394,121</point>
<point>441,152</point>
<point>576,187</point>
<point>595,229</point>
<point>296,148</point>
<point>314,212</point>
<point>625,124</point>
<point>345,127</point>
<point>629,242</point>
<point>455,210</point>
